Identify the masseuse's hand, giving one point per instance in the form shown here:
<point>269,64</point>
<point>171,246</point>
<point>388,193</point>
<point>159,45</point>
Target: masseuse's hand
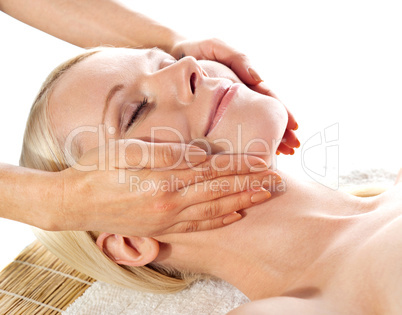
<point>217,50</point>
<point>198,195</point>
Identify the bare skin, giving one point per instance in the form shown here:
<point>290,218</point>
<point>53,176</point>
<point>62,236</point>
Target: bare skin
<point>361,273</point>
<point>309,248</point>
<point>358,270</point>
<point>105,22</point>
<point>312,250</point>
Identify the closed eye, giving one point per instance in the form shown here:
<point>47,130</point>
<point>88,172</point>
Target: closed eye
<point>137,113</point>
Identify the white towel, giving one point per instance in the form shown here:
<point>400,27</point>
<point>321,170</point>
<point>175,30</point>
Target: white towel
<point>204,297</point>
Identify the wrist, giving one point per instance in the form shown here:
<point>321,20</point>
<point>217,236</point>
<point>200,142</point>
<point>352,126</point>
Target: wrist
<point>165,39</point>
<point>44,200</point>
<point>59,201</point>
<point>174,41</point>
<point>27,195</point>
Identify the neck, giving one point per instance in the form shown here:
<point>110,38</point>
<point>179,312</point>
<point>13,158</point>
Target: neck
<point>278,245</point>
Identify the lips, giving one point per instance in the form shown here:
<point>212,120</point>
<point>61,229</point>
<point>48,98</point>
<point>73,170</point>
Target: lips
<point>223,96</point>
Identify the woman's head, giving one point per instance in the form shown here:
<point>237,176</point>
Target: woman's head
<point>148,95</point>
<point>186,99</point>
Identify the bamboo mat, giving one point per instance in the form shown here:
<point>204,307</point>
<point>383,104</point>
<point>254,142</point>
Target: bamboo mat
<point>37,282</point>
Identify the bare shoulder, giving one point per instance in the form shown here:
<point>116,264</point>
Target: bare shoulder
<point>374,272</point>
<point>284,306</point>
<point>381,259</point>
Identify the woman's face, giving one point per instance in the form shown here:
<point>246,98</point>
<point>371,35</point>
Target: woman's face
<point>148,95</point>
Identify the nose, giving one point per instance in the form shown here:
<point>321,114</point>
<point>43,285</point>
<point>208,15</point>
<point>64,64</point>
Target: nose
<point>182,80</point>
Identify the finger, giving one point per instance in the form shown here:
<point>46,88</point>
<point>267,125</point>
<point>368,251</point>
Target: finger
<point>218,50</point>
<point>205,211</point>
<point>292,124</point>
<point>289,142</point>
<point>241,66</point>
<point>225,186</point>
<point>290,139</point>
<point>194,226</point>
<point>140,154</point>
<point>208,196</point>
<point>284,149</point>
<point>221,165</point>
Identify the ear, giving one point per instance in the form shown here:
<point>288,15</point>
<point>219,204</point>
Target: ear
<point>128,250</point>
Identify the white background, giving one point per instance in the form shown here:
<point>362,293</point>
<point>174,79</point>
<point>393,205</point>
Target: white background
<point>335,62</point>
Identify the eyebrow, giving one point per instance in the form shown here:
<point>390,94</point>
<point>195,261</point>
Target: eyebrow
<point>109,96</point>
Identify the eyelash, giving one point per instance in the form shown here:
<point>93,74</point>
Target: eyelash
<point>144,104</point>
<point>137,112</point>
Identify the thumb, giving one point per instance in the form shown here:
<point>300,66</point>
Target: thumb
<point>140,154</point>
<point>241,66</point>
<point>235,60</point>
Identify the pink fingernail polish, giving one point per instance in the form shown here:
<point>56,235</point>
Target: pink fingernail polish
<point>231,218</point>
<point>260,196</point>
<point>254,74</point>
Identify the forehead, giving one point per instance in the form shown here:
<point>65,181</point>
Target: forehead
<point>78,97</point>
<point>86,82</point>
<point>112,60</point>
<point>92,76</point>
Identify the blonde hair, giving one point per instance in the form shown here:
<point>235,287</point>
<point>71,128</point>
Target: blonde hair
<point>42,150</point>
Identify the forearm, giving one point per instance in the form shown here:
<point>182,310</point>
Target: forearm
<point>28,196</point>
<point>89,23</point>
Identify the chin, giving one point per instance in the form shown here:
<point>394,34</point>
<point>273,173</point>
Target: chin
<point>255,125</point>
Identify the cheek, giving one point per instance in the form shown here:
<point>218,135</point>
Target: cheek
<point>263,127</point>
<point>254,125</point>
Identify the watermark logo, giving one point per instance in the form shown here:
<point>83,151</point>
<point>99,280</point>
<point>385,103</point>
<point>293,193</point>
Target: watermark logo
<point>320,157</point>
<point>112,152</point>
<point>173,183</point>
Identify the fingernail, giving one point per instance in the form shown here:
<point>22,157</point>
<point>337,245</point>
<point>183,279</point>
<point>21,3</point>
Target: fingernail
<point>297,127</point>
<point>259,168</point>
<point>298,144</point>
<point>260,196</point>
<point>254,74</point>
<point>233,217</point>
<point>195,155</point>
<point>292,152</point>
<point>277,152</point>
<point>277,179</point>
